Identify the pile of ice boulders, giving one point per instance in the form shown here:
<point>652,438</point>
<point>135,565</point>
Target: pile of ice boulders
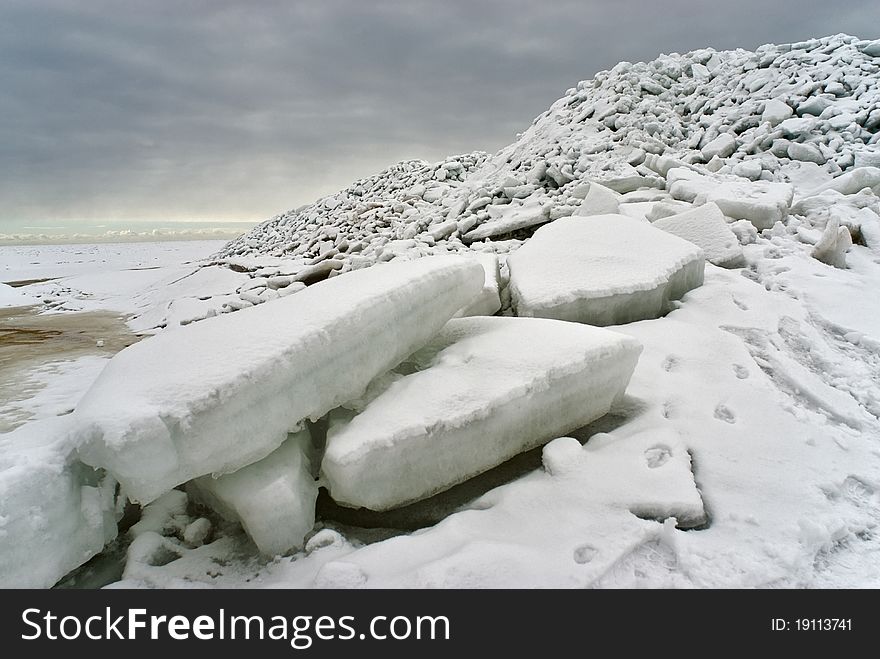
<point>737,129</point>
<point>419,391</point>
<point>433,399</point>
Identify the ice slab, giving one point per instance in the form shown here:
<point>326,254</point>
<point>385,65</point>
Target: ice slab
<point>705,227</point>
<point>599,201</point>
<point>274,499</point>
<point>760,202</point>
<point>833,245</point>
<point>55,512</point>
<point>217,395</point>
<point>510,217</point>
<point>854,180</point>
<point>602,270</point>
<point>482,391</point>
<point>489,301</point>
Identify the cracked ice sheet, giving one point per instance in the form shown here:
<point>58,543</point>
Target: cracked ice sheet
<point>129,278</point>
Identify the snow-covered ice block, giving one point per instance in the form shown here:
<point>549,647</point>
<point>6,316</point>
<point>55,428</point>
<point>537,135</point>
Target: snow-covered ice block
<point>776,111</point>
<point>483,390</point>
<point>833,245</point>
<point>599,201</point>
<point>760,202</point>
<point>217,395</point>
<point>510,217</point>
<point>274,499</point>
<point>721,147</point>
<point>853,181</point>
<point>705,227</point>
<point>602,270</point>
<point>489,301</point>
<point>55,512</point>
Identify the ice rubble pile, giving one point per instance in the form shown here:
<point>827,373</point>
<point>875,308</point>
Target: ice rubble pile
<point>734,128</point>
<point>228,407</point>
<point>199,392</point>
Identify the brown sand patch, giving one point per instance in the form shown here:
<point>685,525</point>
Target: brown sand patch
<point>31,341</point>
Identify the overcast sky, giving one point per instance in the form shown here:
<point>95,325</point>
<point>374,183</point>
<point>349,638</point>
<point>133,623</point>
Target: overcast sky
<point>223,110</point>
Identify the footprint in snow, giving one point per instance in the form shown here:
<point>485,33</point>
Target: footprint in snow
<point>856,490</point>
<point>742,305</point>
<point>741,371</point>
<point>670,363</point>
<point>657,456</point>
<point>724,413</point>
<point>585,554</point>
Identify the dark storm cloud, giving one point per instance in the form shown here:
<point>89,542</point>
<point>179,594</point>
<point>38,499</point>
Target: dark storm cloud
<point>208,110</point>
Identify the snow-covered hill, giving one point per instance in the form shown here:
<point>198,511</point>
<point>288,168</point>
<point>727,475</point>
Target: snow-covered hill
<point>767,115</point>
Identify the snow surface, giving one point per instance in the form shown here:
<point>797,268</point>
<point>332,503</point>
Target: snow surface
<point>260,373</point>
<point>12,297</point>
<point>481,391</point>
<point>602,270</point>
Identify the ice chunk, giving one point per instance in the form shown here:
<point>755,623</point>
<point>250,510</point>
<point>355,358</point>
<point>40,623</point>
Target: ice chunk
<point>776,111</point>
<point>805,153</point>
<point>705,227</point>
<point>55,512</point>
<point>602,270</point>
<point>760,202</point>
<point>510,217</point>
<point>599,201</point>
<point>833,244</point>
<point>274,499</point>
<point>854,181</point>
<point>489,301</point>
<point>220,394</point>
<point>665,209</point>
<point>483,390</point>
<point>722,146</point>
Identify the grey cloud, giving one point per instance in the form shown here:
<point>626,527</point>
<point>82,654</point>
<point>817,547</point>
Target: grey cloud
<point>238,110</point>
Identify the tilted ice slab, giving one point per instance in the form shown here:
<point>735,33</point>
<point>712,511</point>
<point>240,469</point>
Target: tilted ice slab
<point>220,394</point>
<point>274,499</point>
<point>599,200</point>
<point>489,301</point>
<point>55,512</point>
<point>854,180</point>
<point>510,217</point>
<point>602,270</point>
<point>483,390</point>
<point>705,227</point>
<point>761,203</point>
